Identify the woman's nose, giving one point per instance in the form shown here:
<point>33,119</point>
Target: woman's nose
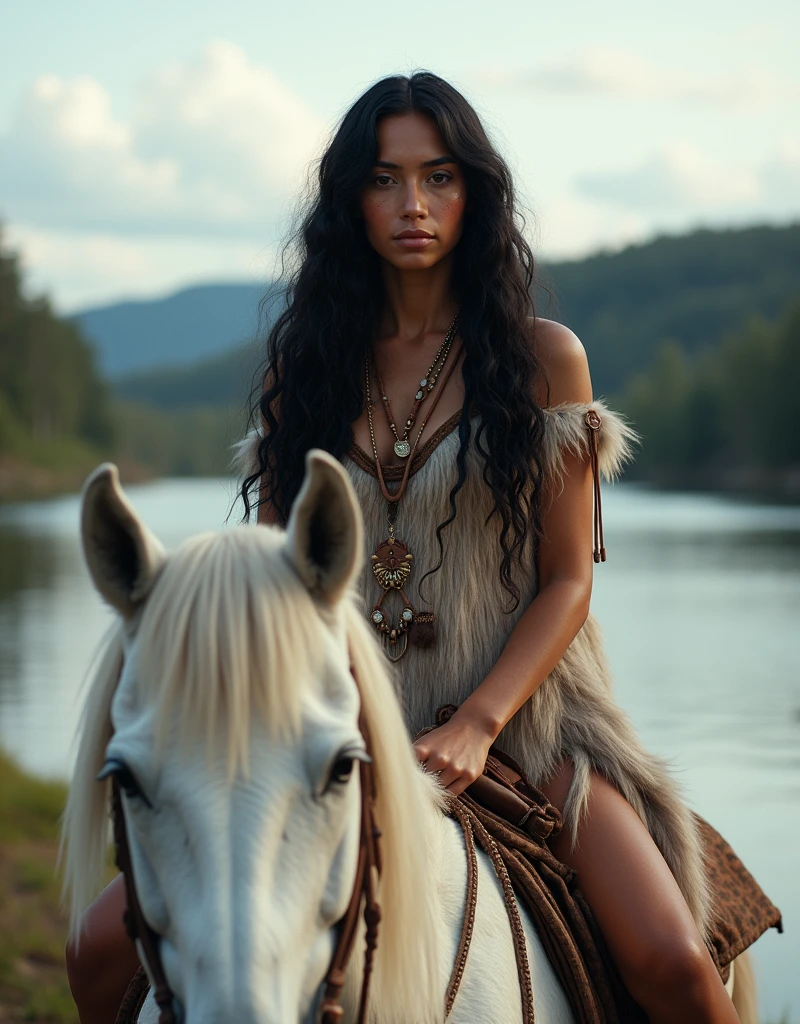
<point>413,201</point>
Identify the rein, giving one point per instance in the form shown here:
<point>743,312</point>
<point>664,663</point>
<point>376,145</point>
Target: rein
<point>367,874</point>
<point>364,891</point>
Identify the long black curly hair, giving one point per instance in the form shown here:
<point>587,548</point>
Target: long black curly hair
<point>334,296</point>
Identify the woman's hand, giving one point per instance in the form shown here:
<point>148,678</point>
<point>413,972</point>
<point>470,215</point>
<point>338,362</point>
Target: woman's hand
<point>456,752</point>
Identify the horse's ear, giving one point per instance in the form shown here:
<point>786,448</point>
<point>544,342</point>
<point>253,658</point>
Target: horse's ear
<point>122,555</point>
<point>324,530</point>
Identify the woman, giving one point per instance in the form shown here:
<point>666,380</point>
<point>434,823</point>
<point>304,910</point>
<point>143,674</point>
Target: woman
<point>468,447</point>
<point>408,348</point>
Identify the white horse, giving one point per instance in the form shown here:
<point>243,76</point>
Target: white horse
<point>226,708</point>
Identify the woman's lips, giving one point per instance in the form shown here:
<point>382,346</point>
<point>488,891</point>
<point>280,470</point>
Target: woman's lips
<point>418,242</point>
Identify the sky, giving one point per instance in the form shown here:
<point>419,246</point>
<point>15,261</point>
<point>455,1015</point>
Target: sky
<point>148,147</point>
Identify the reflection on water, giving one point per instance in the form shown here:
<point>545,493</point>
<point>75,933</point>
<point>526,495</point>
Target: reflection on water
<point>51,619</point>
<point>699,602</point>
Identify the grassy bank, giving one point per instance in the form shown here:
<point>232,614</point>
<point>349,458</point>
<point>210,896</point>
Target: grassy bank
<point>33,928</point>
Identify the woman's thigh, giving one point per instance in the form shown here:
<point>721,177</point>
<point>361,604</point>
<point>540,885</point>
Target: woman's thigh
<point>633,895</point>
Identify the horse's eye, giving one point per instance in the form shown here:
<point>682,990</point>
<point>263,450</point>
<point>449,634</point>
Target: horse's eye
<point>342,768</point>
<point>126,780</point>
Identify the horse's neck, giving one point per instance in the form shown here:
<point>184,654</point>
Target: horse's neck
<point>489,990</point>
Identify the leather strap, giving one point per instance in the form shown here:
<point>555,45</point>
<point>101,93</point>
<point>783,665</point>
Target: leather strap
<point>593,422</point>
<point>442,384</point>
<point>364,891</point>
<point>135,923</point>
<point>471,902</point>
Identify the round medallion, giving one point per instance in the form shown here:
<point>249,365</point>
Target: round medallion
<point>377,616</point>
<point>408,615</point>
<point>402,449</point>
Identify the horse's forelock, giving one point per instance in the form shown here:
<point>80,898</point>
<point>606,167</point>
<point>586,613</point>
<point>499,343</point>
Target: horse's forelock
<point>229,632</point>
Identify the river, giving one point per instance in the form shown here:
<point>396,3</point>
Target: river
<point>699,601</point>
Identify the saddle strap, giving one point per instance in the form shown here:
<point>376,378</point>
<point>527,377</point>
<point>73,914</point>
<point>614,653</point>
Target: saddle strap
<point>473,829</point>
<point>468,924</point>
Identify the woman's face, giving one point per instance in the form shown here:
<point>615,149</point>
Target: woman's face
<point>413,204</point>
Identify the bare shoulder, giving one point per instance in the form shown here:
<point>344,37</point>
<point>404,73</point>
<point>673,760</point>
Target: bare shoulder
<point>562,358</point>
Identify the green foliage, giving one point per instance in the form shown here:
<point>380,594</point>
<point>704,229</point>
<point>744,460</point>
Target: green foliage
<point>697,287</point>
<point>224,380</point>
<point>192,441</point>
<point>730,407</point>
<point>50,390</point>
<point>29,808</point>
<point>33,927</point>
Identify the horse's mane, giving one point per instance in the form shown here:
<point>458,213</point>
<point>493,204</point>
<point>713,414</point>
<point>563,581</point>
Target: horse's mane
<point>265,645</point>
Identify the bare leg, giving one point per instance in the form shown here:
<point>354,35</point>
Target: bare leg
<point>102,966</point>
<point>640,910</point>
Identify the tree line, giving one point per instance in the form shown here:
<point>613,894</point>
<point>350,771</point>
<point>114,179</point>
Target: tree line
<point>713,388</point>
<point>55,408</point>
<point>725,415</point>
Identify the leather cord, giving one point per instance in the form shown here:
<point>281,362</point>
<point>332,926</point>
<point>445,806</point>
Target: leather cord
<point>135,923</point>
<point>434,402</point>
<point>468,924</point>
<point>364,892</point>
<point>593,422</point>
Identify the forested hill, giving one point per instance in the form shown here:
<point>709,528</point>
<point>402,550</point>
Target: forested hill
<point>682,333</point>
<point>192,324</point>
<point>693,288</point>
<point>56,415</point>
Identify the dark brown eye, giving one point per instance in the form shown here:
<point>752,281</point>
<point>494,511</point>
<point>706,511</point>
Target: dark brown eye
<point>125,778</point>
<point>342,770</point>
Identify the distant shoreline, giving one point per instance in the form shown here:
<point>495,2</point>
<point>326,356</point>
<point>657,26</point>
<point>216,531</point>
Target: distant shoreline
<point>754,482</point>
<point>22,481</point>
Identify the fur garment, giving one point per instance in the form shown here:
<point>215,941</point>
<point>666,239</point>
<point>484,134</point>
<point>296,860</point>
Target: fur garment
<point>573,712</point>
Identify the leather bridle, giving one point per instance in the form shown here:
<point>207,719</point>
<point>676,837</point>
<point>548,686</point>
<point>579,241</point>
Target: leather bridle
<point>364,894</point>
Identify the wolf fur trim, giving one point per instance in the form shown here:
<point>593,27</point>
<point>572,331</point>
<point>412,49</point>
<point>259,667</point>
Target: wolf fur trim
<point>566,433</point>
<point>244,460</point>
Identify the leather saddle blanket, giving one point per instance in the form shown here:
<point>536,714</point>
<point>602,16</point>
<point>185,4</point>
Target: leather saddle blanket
<point>520,820</point>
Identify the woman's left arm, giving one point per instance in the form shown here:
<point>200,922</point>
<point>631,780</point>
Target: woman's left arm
<point>458,750</point>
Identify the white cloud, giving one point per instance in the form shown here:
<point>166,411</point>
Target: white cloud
<point>213,146</point>
<point>615,73</point>
<point>683,180</point>
<point>571,227</point>
<point>80,270</point>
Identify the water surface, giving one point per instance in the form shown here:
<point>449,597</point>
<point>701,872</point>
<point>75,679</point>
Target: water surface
<point>700,605</point>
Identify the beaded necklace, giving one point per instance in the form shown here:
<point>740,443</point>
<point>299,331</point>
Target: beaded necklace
<point>402,446</point>
<point>391,562</point>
